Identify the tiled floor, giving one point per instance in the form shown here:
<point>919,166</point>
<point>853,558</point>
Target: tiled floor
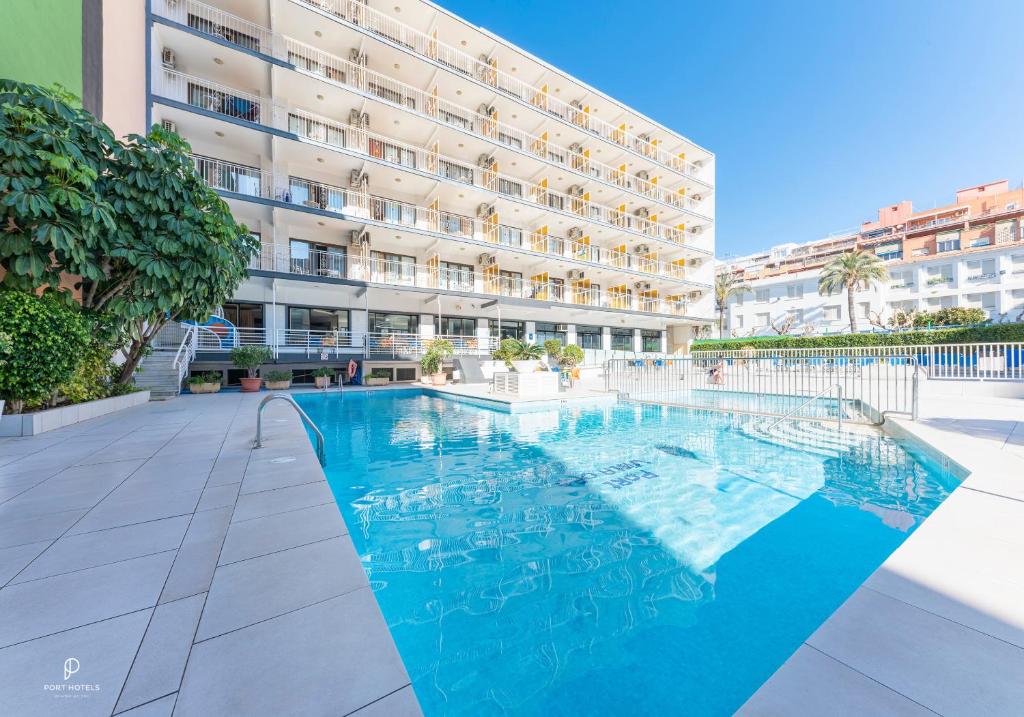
<point>939,627</point>
<point>184,572</point>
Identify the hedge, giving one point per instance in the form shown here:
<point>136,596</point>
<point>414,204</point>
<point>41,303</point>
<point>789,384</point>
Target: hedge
<point>966,335</point>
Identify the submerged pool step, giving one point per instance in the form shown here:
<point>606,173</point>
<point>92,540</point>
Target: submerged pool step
<point>806,436</point>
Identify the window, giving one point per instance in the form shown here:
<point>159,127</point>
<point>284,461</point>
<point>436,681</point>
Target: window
<point>384,323</point>
<point>589,337</point>
<point>507,329</point>
<point>934,303</point>
<point>979,269</point>
<point>454,326</point>
<point>511,283</point>
<point>451,170</point>
<point>316,259</point>
<point>889,252</point>
<point>863,309</point>
<point>947,241</point>
<point>939,274</point>
<point>244,316</point>
<point>651,340</point>
<point>761,296</point>
<point>393,268</point>
<point>794,291</point>
<point>510,236</point>
<point>904,306</point>
<point>739,298</point>
<point>301,318</point>
<point>622,339</point>
<point>547,331</point>
<point>510,140</point>
<point>737,321</point>
<point>831,313</point>
<point>797,315</point>
<point>455,277</point>
<point>901,280</point>
<point>761,320</point>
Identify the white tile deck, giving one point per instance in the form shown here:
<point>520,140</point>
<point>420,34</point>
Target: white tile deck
<point>939,627</point>
<point>186,572</point>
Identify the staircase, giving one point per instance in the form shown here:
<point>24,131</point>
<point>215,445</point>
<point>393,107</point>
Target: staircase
<point>823,439</point>
<point>162,371</point>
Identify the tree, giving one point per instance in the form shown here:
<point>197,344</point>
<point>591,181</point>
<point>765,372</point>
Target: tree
<point>150,241</point>
<point>727,286</point>
<point>851,270</point>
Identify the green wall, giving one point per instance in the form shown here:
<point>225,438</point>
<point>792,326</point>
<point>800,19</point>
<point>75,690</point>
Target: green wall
<point>41,42</point>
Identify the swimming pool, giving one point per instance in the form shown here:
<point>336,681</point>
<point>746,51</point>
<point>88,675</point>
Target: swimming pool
<point>626,559</point>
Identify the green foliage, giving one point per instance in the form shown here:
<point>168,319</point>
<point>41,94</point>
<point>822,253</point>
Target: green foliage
<point>516,350</point>
<point>250,357</point>
<point>149,239</point>
<point>197,379</point>
<point>851,270</point>
<point>442,347</point>
<point>380,373</point>
<point>572,355</point>
<point>323,371</point>
<point>277,375</point>
<point>47,341</point>
<point>973,334</point>
<point>94,376</point>
<point>727,286</point>
<point>553,347</point>
<point>431,362</point>
<point>6,347</point>
<point>953,316</point>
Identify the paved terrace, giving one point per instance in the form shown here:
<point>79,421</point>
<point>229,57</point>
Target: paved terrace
<point>186,573</point>
<point>939,627</point>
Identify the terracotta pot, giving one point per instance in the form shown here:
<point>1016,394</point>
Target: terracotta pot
<point>322,381</point>
<point>251,385</point>
<point>439,378</point>
<point>278,385</point>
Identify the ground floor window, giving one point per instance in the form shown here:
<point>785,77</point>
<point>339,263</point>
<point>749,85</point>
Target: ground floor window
<point>546,331</point>
<point>651,340</point>
<point>622,339</point>
<point>588,337</point>
<point>385,323</point>
<point>454,326</point>
<point>301,318</point>
<point>244,316</point>
<point>507,329</point>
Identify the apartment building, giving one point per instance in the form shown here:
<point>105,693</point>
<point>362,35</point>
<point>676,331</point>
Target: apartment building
<point>410,175</point>
<point>969,254</point>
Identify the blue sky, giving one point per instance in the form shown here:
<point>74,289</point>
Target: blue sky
<point>818,112</point>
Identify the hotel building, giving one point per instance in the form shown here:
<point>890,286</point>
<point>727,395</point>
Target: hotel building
<point>410,175</point>
<point>967,254</point>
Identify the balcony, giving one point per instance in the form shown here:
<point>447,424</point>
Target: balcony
<point>250,36</point>
<point>988,278</point>
<point>433,277</point>
<point>251,181</point>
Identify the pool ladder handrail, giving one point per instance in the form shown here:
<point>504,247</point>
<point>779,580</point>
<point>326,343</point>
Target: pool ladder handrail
<point>838,387</point>
<point>320,453</point>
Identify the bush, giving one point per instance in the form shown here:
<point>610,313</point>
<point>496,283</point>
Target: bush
<point>572,355</point>
<point>250,357</point>
<point>380,373</point>
<point>95,374</point>
<point>967,335</point>
<point>516,350</point>
<point>277,375</point>
<point>323,371</point>
<point>952,316</point>
<point>431,362</point>
<point>47,338</point>
<point>553,347</point>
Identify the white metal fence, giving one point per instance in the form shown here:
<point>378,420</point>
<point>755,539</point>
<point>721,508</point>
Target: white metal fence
<point>766,385</point>
<point>996,361</point>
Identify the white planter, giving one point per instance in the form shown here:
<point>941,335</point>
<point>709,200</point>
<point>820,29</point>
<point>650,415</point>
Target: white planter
<point>30,424</point>
<point>524,366</point>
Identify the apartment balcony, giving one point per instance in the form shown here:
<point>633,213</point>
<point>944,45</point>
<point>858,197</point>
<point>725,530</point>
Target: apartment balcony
<point>433,277</point>
<point>989,278</point>
<point>309,344</point>
<point>361,18</point>
<point>356,206</point>
<point>219,99</point>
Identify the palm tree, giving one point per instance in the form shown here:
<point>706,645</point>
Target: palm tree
<point>726,286</point>
<point>851,270</point>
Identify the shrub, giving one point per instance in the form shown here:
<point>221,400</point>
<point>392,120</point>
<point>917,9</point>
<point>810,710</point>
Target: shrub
<point>380,373</point>
<point>553,347</point>
<point>431,362</point>
<point>572,355</point>
<point>516,350</point>
<point>277,375</point>
<point>47,339</point>
<point>250,357</point>
<point>323,371</point>
<point>967,335</point>
<point>952,316</point>
<point>197,379</point>
<point>442,347</point>
<point>95,374</point>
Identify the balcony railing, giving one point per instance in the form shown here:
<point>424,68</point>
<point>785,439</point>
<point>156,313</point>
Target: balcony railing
<point>224,26</point>
<point>366,18</point>
<point>392,272</point>
<point>211,96</point>
<point>232,177</point>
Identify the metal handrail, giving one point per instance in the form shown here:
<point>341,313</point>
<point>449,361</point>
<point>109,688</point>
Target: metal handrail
<point>320,453</point>
<point>836,386</point>
<point>186,354</point>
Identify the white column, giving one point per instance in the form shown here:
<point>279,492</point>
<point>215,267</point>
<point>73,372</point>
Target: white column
<point>570,335</point>
<point>530,328</point>
<point>606,338</point>
<point>638,343</point>
<point>427,325</point>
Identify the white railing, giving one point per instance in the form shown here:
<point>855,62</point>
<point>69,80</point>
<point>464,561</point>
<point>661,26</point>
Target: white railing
<point>760,385</point>
<point>216,22</point>
<point>231,28</point>
<point>232,177</point>
<point>426,276</point>
<point>978,361</point>
<point>212,96</point>
<point>186,353</point>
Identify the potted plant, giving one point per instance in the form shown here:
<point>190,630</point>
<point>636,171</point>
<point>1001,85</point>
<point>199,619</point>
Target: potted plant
<point>250,358</point>
<point>430,365</point>
<point>553,349</point>
<point>378,377</point>
<point>519,355</point>
<point>278,380</point>
<point>204,382</point>
<point>322,377</point>
<point>443,349</point>
<point>570,357</point>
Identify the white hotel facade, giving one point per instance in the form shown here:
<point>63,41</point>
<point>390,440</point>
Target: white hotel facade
<point>410,175</point>
<point>967,254</point>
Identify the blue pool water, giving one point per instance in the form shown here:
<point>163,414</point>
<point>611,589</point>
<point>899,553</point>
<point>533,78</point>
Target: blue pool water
<point>627,559</point>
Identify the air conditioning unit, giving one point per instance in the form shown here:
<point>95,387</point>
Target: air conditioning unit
<point>358,119</point>
<point>169,125</point>
<point>642,212</point>
<point>575,233</point>
<point>696,197</point>
<point>696,230</point>
<point>561,327</point>
<point>358,237</point>
<point>485,210</point>
<point>576,274</point>
<point>642,249</point>
<point>576,148</point>
<point>575,191</point>
<point>357,58</point>
<point>487,260</point>
<point>168,59</point>
<point>642,175</point>
<point>698,164</point>
<point>485,161</point>
<point>642,285</point>
<point>487,110</point>
<point>576,103</point>
<point>644,137</point>
<point>358,180</point>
